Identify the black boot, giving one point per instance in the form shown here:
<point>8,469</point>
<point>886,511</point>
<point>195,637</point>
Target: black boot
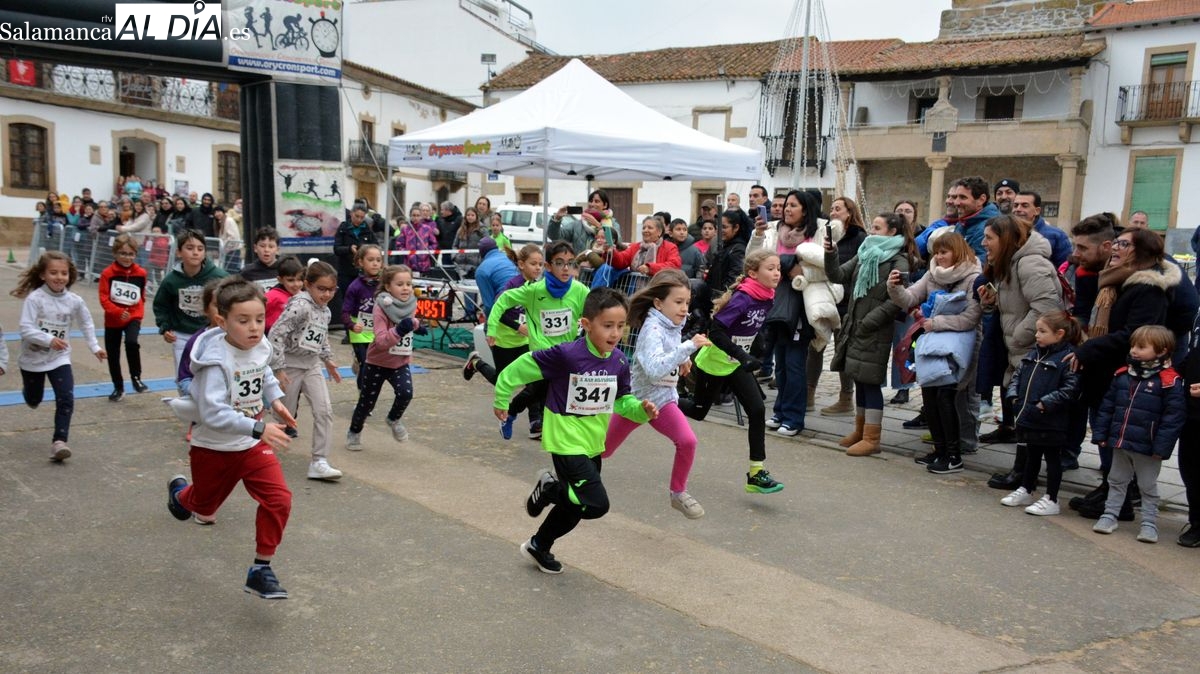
<point>1093,511</point>
<point>1012,479</point>
<point>1098,495</point>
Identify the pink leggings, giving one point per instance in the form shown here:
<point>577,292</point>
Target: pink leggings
<point>672,424</point>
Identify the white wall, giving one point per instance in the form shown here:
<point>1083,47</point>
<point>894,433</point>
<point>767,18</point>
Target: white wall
<point>76,130</point>
<point>1122,64</point>
<point>1047,96</point>
<point>434,43</point>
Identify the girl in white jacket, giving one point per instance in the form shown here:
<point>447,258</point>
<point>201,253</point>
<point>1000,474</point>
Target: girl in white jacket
<point>46,318</point>
<point>660,359</point>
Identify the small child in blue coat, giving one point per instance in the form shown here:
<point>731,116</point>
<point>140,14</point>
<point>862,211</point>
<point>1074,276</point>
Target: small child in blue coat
<point>1140,419</point>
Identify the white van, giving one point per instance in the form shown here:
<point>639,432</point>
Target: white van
<point>525,224</point>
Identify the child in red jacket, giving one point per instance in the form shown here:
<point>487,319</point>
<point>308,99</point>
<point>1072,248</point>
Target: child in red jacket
<point>123,297</point>
<point>291,281</point>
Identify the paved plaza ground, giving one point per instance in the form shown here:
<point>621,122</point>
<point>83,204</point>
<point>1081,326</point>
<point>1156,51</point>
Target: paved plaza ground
<point>410,562</point>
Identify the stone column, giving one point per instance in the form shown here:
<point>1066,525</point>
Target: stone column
<point>1076,91</point>
<point>1066,191</point>
<point>937,185</point>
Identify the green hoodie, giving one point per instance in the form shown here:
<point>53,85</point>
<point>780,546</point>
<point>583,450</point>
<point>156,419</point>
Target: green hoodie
<point>177,302</point>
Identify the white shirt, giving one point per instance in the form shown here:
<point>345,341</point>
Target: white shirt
<point>45,315</point>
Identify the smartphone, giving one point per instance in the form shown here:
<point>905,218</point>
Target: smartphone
<point>991,287</point>
<point>574,210</point>
<point>905,278</point>
<point>764,213</point>
<point>828,231</point>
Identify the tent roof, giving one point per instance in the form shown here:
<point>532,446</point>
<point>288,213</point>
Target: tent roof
<point>580,126</point>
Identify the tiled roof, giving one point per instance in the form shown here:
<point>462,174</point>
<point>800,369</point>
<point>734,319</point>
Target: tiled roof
<point>859,58</point>
<point>736,61</point>
<point>1148,11</point>
<point>960,54</point>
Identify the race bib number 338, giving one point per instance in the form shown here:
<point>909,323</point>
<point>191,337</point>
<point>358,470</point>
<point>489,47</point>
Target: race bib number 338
<point>588,395</point>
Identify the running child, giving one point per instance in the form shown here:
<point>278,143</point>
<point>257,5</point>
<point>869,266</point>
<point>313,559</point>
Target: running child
<point>587,380</point>
<point>511,340</point>
<point>661,358</point>
<point>552,307</point>
<point>389,355</point>
<point>299,350</point>
<point>178,310</point>
<point>359,303</point>
<point>1044,387</point>
<point>232,388</point>
<point>739,315</point>
<point>47,314</point>
<point>1140,419</point>
<point>290,281</point>
<point>123,297</point>
<point>265,268</point>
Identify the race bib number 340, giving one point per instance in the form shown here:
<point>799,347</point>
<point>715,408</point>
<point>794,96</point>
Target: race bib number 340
<point>589,395</point>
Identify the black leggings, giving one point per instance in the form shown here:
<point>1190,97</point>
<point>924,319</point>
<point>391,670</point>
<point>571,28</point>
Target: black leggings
<point>587,501</point>
<point>133,352</point>
<point>526,399</point>
<point>942,415</point>
<point>33,388</point>
<point>1189,468</point>
<point>1033,466</point>
<point>743,386</point>
<point>371,378</point>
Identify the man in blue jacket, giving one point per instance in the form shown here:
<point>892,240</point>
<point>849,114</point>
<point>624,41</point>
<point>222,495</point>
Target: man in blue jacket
<point>1027,205</point>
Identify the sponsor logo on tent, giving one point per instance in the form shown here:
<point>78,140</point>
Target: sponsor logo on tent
<point>467,148</point>
<point>412,152</point>
<point>509,145</point>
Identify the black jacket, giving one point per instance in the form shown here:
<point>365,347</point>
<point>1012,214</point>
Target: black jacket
<point>1043,377</point>
<point>448,228</point>
<point>347,235</point>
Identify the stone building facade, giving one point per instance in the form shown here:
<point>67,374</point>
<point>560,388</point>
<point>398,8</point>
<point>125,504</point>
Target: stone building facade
<point>982,18</point>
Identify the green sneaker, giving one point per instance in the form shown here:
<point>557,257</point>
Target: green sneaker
<point>927,438</point>
<point>762,483</point>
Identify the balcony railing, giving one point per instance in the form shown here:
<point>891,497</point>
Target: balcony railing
<point>448,176</point>
<point>1171,102</point>
<point>170,94</point>
<point>366,153</point>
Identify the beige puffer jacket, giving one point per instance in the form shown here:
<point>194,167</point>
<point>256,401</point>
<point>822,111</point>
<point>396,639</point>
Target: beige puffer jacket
<point>1031,290</point>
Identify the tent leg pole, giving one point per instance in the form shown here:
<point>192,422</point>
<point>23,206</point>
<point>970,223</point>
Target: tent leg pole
<point>545,201</point>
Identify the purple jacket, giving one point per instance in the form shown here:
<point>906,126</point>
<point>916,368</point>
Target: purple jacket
<point>360,296</point>
<point>420,236</point>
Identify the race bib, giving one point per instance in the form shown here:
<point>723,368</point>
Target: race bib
<point>588,395</point>
<point>313,337</point>
<point>149,245</point>
<point>247,390</point>
<point>124,293</point>
<point>556,322</point>
<point>56,329</point>
<point>367,318</point>
<point>189,301</point>
<point>520,319</point>
<point>744,342</point>
<point>671,379</point>
<point>404,347</point>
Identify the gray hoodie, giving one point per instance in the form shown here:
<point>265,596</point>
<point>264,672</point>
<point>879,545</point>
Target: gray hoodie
<point>300,338</point>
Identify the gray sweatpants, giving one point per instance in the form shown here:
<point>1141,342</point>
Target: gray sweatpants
<point>311,383</point>
<point>1124,466</point>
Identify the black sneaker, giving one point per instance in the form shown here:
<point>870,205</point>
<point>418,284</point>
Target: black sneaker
<point>546,563</point>
<point>946,465</point>
<point>901,397</point>
<point>116,395</point>
<point>1001,435</point>
<point>542,494</point>
<point>535,430</point>
<point>926,459</point>
<point>175,486</point>
<point>468,370</point>
<point>138,385</point>
<point>916,422</point>
<point>762,483</point>
<point>1190,537</point>
<point>261,581</point>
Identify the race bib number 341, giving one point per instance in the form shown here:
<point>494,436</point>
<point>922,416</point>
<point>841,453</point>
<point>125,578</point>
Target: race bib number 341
<point>588,395</point>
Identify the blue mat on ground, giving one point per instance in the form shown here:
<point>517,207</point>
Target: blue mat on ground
<point>101,389</point>
<point>78,334</point>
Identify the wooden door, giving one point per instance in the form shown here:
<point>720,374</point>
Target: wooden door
<point>620,200</point>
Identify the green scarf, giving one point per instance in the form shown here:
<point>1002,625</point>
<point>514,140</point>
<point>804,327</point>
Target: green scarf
<point>874,250</point>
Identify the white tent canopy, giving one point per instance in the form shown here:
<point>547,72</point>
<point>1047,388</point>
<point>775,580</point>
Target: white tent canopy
<point>574,125</point>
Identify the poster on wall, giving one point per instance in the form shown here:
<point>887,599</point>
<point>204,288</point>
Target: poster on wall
<point>308,204</point>
<point>288,40</point>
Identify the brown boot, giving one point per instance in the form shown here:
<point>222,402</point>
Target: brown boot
<point>844,407</point>
<point>869,444</point>
<point>811,404</point>
<point>857,434</point>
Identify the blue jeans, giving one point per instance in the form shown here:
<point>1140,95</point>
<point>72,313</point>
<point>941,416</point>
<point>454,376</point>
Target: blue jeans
<point>33,388</point>
<point>791,379</point>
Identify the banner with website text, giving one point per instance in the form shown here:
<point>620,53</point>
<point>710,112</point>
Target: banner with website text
<point>295,40</point>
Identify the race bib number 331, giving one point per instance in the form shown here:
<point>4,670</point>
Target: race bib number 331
<point>588,395</point>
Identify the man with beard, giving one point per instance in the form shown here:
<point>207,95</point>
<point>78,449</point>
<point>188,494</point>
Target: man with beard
<point>201,218</point>
<point>1005,194</point>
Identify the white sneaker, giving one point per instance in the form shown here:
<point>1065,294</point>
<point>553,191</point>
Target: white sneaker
<point>1019,497</point>
<point>686,504</point>
<point>787,431</point>
<point>399,432</point>
<point>354,441</point>
<point>774,423</point>
<point>1044,506</point>
<point>321,470</point>
<point>59,451</point>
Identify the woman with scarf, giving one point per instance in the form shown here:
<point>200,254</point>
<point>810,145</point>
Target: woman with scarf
<point>582,232</point>
<point>652,254</point>
<point>865,339</point>
<point>1135,290</point>
<point>1026,286</point>
<point>844,210</point>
